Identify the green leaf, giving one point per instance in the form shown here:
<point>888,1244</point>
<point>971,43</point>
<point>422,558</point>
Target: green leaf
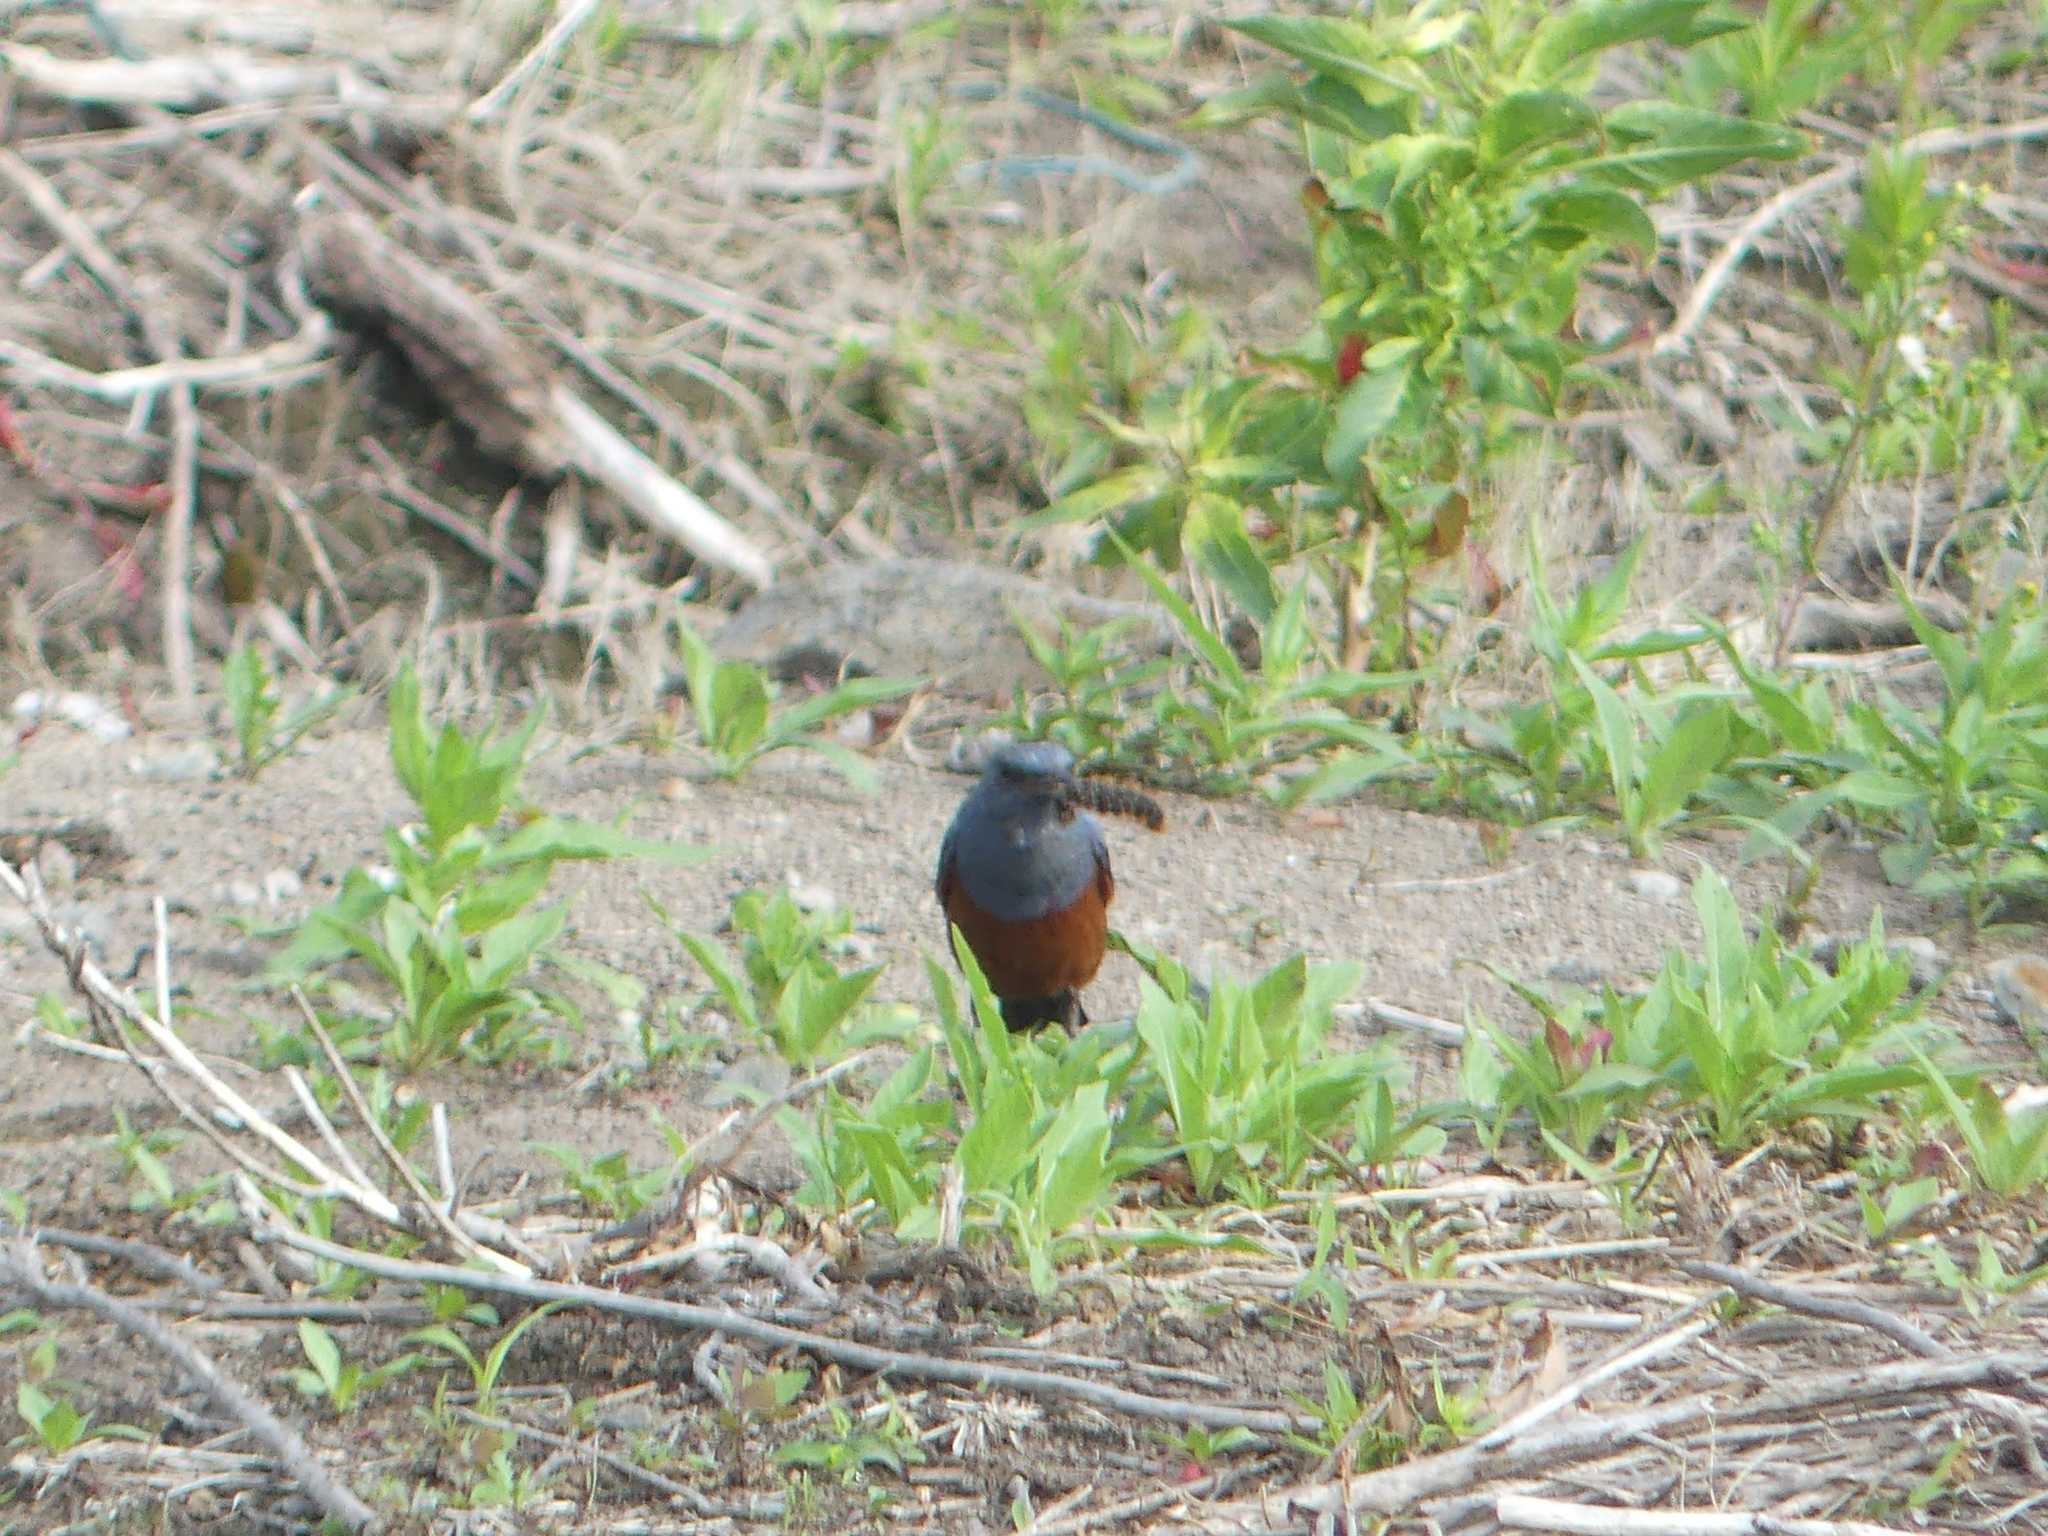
<point>1617,738</point>
<point>1215,541</point>
<point>1528,120</point>
<point>1665,144</point>
<point>1368,407</point>
<point>1212,646</point>
<point>548,838</point>
<point>1568,39</point>
<point>1337,44</point>
<point>320,1349</point>
<point>1600,213</point>
<point>1140,482</point>
<point>1693,751</point>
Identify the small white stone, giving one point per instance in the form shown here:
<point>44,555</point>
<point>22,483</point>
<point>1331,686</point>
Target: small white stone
<point>1655,885</point>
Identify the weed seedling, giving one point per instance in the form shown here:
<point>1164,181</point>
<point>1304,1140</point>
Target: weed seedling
<point>261,737</point>
<point>453,928</point>
<point>740,719</point>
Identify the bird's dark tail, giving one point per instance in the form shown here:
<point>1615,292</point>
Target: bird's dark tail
<point>1062,1008</point>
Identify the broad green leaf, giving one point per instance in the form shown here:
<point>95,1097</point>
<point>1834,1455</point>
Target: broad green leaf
<point>1368,407</point>
<point>1530,119</point>
<point>1215,541</point>
<point>1571,37</point>
<point>1602,213</point>
<point>321,1351</point>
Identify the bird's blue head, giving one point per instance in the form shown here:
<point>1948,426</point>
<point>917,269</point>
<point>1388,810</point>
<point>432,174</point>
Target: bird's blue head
<point>1032,770</point>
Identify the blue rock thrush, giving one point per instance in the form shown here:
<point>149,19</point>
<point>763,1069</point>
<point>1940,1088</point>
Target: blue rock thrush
<point>1024,875</point>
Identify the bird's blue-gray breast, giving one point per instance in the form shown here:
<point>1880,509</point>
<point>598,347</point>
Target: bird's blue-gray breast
<point>1019,863</point>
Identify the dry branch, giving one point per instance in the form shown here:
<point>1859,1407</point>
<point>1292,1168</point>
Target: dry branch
<point>1396,1490</point>
<point>1839,1309</point>
<point>979,1377</point>
<point>1526,1512</point>
<point>21,1269</point>
<point>497,386</point>
<point>120,1008</point>
<point>220,77</point>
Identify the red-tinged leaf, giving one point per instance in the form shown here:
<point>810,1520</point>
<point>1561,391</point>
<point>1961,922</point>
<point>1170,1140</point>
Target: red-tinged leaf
<point>1559,1041</point>
<point>1350,358</point>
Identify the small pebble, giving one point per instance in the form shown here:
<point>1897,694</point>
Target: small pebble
<point>810,897</point>
<point>102,721</point>
<point>677,790</point>
<point>1655,885</point>
<point>2019,988</point>
<point>180,765</point>
<point>281,886</point>
<point>242,893</point>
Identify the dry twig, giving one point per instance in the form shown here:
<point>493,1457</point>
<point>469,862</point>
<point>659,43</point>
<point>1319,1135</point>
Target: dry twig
<point>21,1269</point>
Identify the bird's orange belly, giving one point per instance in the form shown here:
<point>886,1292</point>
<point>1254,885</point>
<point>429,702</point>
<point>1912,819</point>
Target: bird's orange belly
<point>1059,952</point>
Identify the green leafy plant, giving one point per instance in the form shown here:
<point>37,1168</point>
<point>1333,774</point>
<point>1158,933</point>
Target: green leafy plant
<point>1251,1097</point>
<point>1653,759</point>
<point>787,987</point>
<point>607,1184</point>
<point>887,1439</point>
<point>1038,1152</point>
<point>505,1486</point>
<point>1463,178</point>
<point>2008,1147</point>
<point>1889,259</point>
<point>1208,719</point>
<point>261,736</point>
<point>55,1421</point>
<point>340,1382</point>
<point>484,1369</point>
<point>1789,58</point>
<point>1749,1036</point>
<point>740,718</point>
<point>43,1399</point>
<point>454,929</point>
<point>1966,788</point>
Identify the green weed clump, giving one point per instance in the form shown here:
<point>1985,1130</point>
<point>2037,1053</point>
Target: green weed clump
<point>788,988</point>
<point>1747,1039</point>
<point>1461,179</point>
<point>455,929</point>
<point>740,717</point>
<point>1230,1092</point>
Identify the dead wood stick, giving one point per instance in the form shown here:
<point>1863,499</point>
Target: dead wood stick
<point>1527,1512</point>
<point>21,1269</point>
<point>415,117</point>
<point>1938,141</point>
<point>1394,1490</point>
<point>1666,1343</point>
<point>1839,1309</point>
<point>979,1376</point>
<point>267,367</point>
<point>570,16</point>
<point>147,1257</point>
<point>443,1215</point>
<point>503,391</point>
<point>219,77</point>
